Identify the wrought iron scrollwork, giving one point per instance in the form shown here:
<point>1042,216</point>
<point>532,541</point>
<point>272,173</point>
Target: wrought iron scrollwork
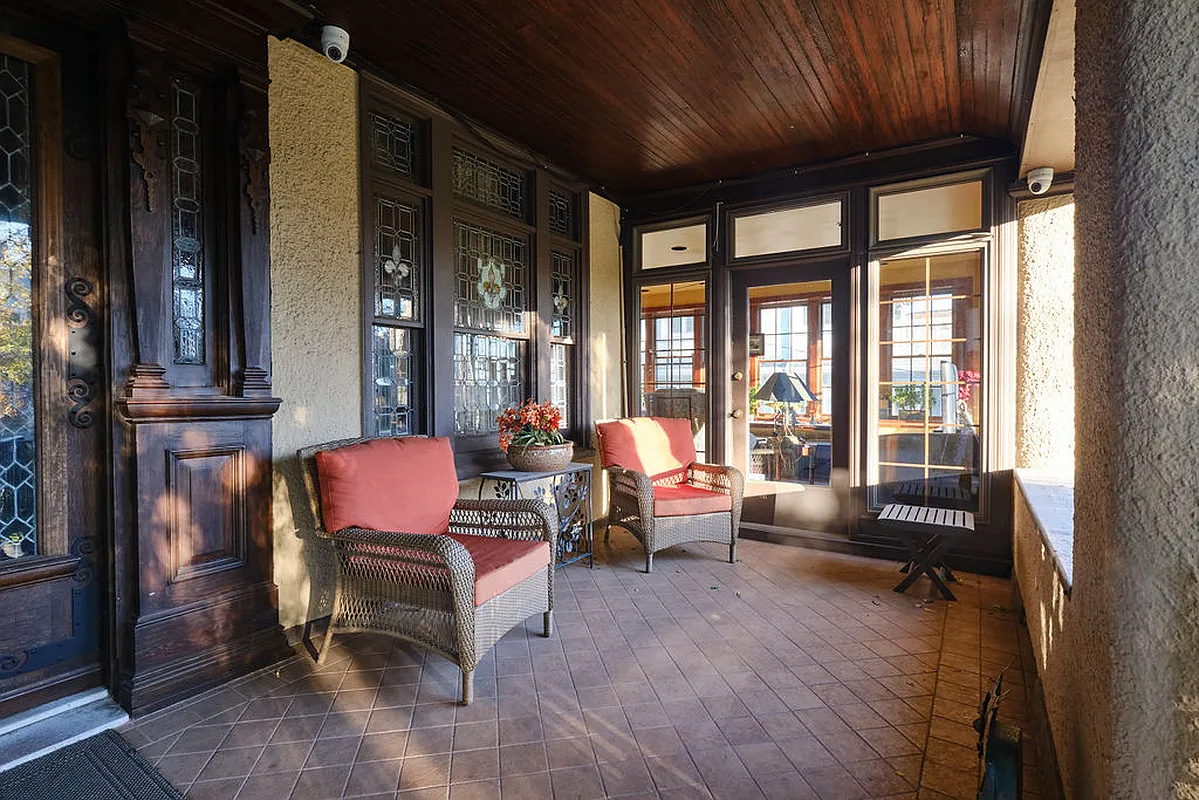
<point>85,548</point>
<point>81,365</point>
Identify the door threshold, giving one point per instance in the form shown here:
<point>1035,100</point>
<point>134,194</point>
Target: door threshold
<point>42,730</point>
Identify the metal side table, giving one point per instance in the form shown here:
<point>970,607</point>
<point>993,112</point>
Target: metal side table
<point>570,488</point>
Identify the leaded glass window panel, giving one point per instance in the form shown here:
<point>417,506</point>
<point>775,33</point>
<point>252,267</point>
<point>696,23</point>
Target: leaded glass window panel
<point>564,288</point>
<point>399,258</point>
<point>187,222</point>
<point>393,143</point>
<point>488,377</point>
<point>562,214</point>
<point>393,379</point>
<point>18,451</point>
<point>491,274</point>
<point>489,184</point>
<point>560,355</point>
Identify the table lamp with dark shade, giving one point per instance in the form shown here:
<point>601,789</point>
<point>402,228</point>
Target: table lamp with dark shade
<point>787,388</point>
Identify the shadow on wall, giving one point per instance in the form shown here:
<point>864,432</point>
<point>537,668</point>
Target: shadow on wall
<point>311,557</point>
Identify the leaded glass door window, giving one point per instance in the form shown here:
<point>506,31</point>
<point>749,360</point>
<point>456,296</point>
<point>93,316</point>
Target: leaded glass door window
<point>18,418</point>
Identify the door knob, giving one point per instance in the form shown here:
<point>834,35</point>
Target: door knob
<point>737,413</point>
<point>738,375</point>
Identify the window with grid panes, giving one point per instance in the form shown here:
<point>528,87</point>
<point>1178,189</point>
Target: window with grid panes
<point>394,268</point>
<point>673,354</point>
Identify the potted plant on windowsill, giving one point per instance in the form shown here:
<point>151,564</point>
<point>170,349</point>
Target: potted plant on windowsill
<point>531,439</point>
<point>909,401</point>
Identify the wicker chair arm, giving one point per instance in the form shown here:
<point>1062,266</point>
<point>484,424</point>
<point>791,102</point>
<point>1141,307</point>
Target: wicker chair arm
<point>718,478</point>
<point>507,519</point>
<point>634,485</point>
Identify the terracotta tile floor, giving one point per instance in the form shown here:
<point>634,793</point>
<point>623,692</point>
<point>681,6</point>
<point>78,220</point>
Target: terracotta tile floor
<point>792,674</point>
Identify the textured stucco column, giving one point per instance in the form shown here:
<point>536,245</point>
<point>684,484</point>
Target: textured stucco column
<point>1134,639</point>
<point>1045,336</point>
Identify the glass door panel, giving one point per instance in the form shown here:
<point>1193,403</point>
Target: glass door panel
<point>672,342</point>
<point>790,378</point>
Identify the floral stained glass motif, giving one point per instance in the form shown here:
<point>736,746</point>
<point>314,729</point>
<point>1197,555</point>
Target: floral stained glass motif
<point>564,287</point>
<point>490,280</point>
<point>399,259</point>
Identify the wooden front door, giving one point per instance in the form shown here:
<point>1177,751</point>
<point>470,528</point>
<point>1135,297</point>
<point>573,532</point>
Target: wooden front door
<point>53,412</point>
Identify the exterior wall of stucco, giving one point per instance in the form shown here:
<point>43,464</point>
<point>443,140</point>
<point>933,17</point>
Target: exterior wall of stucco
<point>1045,336</point>
<point>606,337</point>
<point>315,300</point>
<point>1134,628</point>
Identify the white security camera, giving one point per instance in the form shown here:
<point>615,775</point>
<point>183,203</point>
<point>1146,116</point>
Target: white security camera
<point>335,43</point>
<point>1040,179</point>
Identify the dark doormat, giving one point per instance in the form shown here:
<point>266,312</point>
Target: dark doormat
<point>103,767</point>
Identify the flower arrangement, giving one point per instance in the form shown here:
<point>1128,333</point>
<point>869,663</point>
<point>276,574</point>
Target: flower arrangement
<point>530,425</point>
<point>970,378</point>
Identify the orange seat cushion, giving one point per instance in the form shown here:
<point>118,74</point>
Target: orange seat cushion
<point>501,564</point>
<point>660,447</point>
<point>685,500</point>
<point>406,484</point>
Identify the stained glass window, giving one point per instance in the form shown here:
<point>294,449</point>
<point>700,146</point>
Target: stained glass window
<point>393,379</point>
<point>488,377</point>
<point>393,143</point>
<point>490,293</point>
<point>488,184</point>
<point>187,223</point>
<point>563,284</point>
<point>399,259</point>
<point>18,451</point>
<point>562,214</point>
<point>560,355</point>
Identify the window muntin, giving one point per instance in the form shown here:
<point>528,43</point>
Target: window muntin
<point>929,423</point>
<point>18,439</point>
<point>562,214</point>
<point>953,208</point>
<point>673,354</point>
<point>788,230</point>
<point>672,247</point>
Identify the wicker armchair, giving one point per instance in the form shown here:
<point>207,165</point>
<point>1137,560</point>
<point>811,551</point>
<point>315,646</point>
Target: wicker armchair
<point>649,458</point>
<point>421,587</point>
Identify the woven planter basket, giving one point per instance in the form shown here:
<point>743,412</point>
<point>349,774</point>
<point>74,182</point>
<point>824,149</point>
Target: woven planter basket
<point>541,458</point>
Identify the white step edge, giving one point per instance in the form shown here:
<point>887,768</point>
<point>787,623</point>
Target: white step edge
<point>38,713</point>
<point>112,716</point>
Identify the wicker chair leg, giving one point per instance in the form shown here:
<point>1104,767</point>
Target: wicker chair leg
<point>733,551</point>
<point>607,532</point>
<point>549,624</point>
<point>320,656</point>
<point>649,562</point>
<point>468,686</point>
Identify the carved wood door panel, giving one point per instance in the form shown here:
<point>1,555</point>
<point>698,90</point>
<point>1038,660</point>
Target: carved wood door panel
<point>52,408</point>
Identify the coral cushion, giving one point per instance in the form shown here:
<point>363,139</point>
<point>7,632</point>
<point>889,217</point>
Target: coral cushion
<point>660,447</point>
<point>500,564</point>
<point>405,484</point>
<point>685,500</point>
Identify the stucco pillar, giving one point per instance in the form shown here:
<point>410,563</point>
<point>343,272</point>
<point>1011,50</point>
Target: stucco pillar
<point>1135,641</point>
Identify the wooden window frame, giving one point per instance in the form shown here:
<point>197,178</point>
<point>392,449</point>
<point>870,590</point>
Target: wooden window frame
<point>731,216</point>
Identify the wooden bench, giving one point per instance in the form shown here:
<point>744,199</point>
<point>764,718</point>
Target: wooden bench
<point>926,532</point>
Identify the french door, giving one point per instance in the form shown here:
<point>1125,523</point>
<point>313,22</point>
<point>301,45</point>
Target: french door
<point>53,417</point>
<point>790,328</point>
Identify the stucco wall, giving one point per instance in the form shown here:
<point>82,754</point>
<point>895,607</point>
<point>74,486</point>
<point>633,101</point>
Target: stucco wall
<point>606,338</point>
<point>315,301</point>
<point>1134,633</point>
<point>1045,336</point>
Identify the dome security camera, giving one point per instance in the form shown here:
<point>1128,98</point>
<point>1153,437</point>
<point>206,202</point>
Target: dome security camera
<point>335,43</point>
<point>1040,179</point>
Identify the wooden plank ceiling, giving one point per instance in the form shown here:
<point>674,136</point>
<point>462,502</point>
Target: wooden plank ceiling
<point>651,94</point>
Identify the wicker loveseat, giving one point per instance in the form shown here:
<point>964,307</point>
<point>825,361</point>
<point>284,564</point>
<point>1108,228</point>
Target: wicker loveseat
<point>415,562</point>
<point>658,490</point>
